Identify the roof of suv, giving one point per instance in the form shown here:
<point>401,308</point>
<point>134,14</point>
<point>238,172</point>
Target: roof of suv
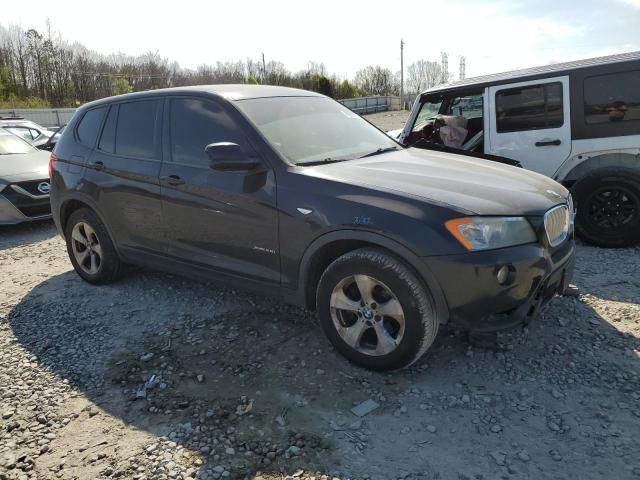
<point>228,91</point>
<point>535,71</point>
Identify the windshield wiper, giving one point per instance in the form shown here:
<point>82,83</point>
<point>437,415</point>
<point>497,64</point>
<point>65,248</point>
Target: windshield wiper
<point>324,161</point>
<point>379,151</point>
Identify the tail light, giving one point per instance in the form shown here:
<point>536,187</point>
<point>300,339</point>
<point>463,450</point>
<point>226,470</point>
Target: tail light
<point>53,163</point>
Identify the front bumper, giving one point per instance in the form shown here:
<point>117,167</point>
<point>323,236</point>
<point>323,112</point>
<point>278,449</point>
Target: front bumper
<point>476,299</point>
<point>18,205</point>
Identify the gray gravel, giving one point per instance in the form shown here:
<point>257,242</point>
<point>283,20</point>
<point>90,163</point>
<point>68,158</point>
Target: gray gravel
<point>158,377</point>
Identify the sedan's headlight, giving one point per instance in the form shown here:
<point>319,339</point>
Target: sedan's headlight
<point>485,233</point>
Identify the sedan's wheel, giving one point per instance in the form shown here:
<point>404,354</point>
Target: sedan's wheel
<point>375,311</point>
<point>90,248</point>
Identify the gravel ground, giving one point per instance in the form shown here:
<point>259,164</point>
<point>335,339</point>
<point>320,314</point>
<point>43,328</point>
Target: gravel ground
<point>159,377</point>
<point>386,121</point>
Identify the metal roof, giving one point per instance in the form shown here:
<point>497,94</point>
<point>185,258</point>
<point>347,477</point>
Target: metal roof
<point>536,71</point>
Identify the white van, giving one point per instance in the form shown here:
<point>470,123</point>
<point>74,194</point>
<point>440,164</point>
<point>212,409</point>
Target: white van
<point>577,122</point>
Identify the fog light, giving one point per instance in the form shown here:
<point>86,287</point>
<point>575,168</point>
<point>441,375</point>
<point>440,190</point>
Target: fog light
<point>502,274</point>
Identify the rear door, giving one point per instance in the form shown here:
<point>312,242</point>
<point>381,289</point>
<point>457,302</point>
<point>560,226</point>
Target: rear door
<point>222,220</point>
<point>123,174</point>
<point>530,122</point>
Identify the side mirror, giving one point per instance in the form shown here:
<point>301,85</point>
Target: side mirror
<point>229,156</point>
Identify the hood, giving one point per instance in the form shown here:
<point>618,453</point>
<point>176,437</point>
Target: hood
<point>475,186</point>
<point>395,134</point>
<point>26,166</point>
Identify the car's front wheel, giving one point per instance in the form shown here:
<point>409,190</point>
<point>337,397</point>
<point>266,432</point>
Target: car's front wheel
<point>375,311</point>
<point>90,248</point>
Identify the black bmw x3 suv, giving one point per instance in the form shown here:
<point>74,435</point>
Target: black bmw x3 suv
<point>288,192</point>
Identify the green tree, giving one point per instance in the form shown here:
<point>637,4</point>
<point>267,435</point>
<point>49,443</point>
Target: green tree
<point>346,89</point>
<point>251,80</point>
<point>120,86</point>
<point>324,86</point>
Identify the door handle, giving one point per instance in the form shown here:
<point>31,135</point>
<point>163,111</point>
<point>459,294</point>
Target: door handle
<point>547,143</point>
<point>97,165</point>
<point>172,180</point>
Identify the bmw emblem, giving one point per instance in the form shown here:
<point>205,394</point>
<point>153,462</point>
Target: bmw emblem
<point>554,194</point>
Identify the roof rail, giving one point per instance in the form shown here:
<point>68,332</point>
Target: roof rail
<point>15,117</point>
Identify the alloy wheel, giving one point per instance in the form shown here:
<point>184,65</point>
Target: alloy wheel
<point>86,248</point>
<point>367,315</point>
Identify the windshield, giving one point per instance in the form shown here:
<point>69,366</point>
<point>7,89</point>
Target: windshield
<point>314,129</point>
<point>428,112</point>
<point>10,144</point>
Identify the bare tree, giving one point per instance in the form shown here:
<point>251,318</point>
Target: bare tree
<point>422,75</point>
<point>41,69</point>
<point>375,80</point>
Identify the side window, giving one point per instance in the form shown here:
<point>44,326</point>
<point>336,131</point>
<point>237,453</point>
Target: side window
<point>529,108</point>
<point>89,127</point>
<point>108,138</point>
<point>136,129</point>
<point>195,123</point>
<point>612,98</point>
<point>22,132</point>
<point>469,106</point>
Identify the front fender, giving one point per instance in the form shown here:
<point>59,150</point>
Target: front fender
<point>305,274</point>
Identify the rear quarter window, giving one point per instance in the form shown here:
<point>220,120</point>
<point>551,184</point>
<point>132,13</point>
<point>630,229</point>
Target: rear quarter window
<point>612,98</point>
<point>89,126</point>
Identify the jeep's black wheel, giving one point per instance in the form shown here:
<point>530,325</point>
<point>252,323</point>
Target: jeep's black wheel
<point>608,207</point>
<point>375,311</point>
<point>90,248</point>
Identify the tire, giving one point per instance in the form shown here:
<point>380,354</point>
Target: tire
<point>366,335</point>
<point>608,207</point>
<point>84,224</point>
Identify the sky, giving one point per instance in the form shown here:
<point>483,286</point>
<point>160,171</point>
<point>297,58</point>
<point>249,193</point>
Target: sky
<point>494,36</point>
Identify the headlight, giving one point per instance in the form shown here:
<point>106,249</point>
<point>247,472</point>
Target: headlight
<point>485,233</point>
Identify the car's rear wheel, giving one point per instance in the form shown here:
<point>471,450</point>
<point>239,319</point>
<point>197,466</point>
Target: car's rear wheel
<point>90,248</point>
<point>375,311</point>
<point>608,207</point>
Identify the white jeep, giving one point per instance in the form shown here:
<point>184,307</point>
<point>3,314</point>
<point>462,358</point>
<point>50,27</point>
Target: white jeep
<point>576,122</point>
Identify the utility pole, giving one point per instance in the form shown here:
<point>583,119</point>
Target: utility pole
<point>463,65</point>
<point>401,74</point>
<point>264,69</point>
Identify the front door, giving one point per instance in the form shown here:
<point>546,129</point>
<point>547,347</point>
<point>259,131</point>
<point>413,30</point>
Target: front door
<point>222,220</point>
<point>530,122</point>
